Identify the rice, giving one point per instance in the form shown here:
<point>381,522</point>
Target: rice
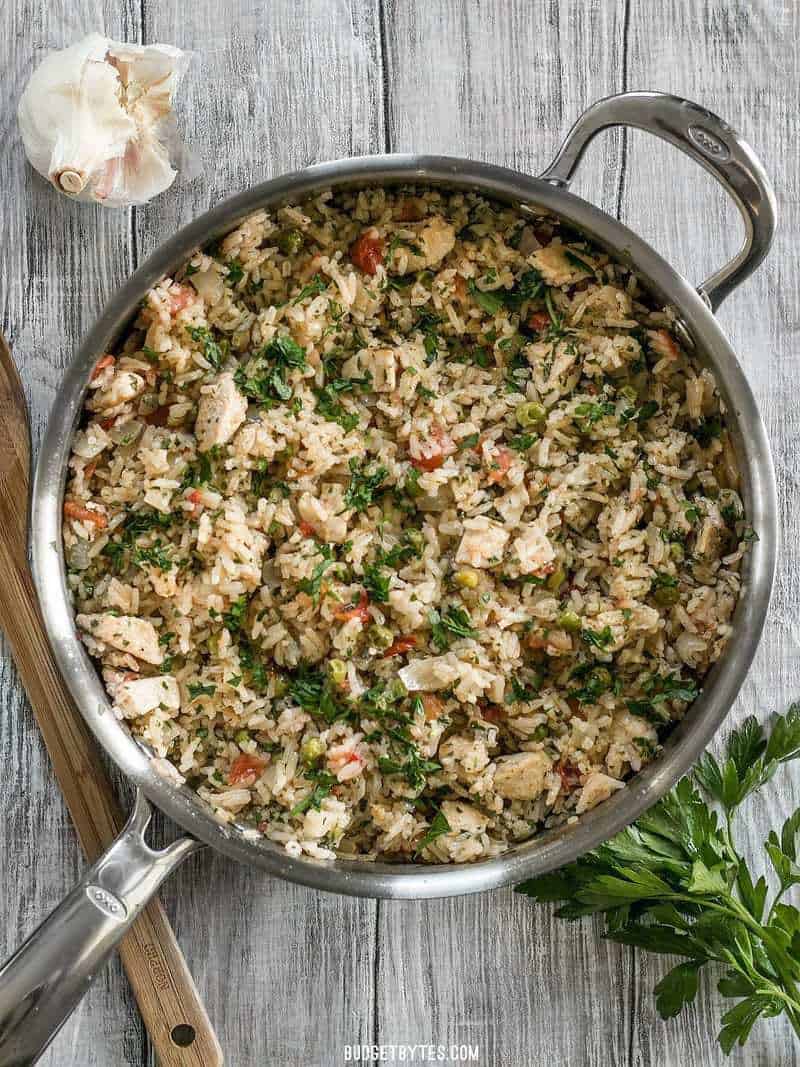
<point>402,525</point>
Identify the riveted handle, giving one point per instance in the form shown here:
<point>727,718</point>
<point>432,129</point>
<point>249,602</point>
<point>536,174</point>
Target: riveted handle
<point>48,975</point>
<point>708,140</point>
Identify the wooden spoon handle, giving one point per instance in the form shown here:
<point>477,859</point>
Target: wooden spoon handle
<point>165,992</point>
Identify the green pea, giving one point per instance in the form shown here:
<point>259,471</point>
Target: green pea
<point>280,684</point>
<point>242,736</point>
<point>338,671</point>
<point>414,539</point>
<point>380,636</point>
<point>667,595</point>
<point>570,621</point>
<point>676,552</point>
<point>629,393</point>
<point>291,242</point>
<point>311,751</point>
<point>556,580</point>
<point>602,677</point>
<point>541,732</point>
<point>531,413</point>
<point>396,690</point>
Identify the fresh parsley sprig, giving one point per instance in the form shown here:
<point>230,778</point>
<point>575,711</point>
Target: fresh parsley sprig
<point>676,883</point>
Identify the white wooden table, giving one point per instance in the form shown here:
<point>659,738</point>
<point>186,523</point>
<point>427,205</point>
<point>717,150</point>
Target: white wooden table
<point>291,976</point>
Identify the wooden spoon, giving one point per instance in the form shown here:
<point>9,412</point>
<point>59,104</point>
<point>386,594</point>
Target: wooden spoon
<point>173,1013</point>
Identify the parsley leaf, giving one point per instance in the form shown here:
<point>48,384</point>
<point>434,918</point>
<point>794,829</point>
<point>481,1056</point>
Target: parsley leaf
<point>263,377</point>
<point>676,883</point>
<point>439,825</point>
<point>365,481</point>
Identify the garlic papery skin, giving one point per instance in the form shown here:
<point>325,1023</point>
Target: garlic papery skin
<point>94,118</point>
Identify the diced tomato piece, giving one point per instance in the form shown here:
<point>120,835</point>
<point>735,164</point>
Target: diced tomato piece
<point>77,511</point>
<point>493,713</point>
<point>410,210</point>
<point>570,776</point>
<point>428,463</point>
<point>354,611</point>
<point>367,252</point>
<point>433,706</point>
<point>500,464</point>
<point>245,769</point>
<point>100,366</point>
<point>158,417</point>
<point>401,645</point>
<point>180,297</point>
<point>106,424</point>
<point>538,321</point>
<point>442,448</point>
<point>305,528</point>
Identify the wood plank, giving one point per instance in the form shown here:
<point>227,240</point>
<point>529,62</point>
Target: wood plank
<point>737,60</point>
<point>61,261</point>
<point>287,973</point>
<point>502,82</point>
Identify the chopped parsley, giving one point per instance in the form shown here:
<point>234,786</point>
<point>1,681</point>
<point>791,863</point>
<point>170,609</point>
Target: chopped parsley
<point>490,302</point>
<point>200,690</point>
<point>233,618</point>
<point>658,689</point>
<point>313,288</point>
<point>439,825</point>
<point>313,585</point>
<point>263,377</point>
<point>365,481</point>
<point>324,782</point>
<point>706,430</point>
<point>214,352</point>
<point>454,621</point>
<point>235,271</point>
<point>598,638</point>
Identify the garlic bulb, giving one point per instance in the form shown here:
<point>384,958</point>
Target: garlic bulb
<point>94,118</point>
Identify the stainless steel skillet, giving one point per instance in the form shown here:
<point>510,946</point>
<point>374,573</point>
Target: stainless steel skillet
<point>50,972</point>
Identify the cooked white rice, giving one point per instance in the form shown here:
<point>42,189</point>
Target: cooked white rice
<point>401,525</point>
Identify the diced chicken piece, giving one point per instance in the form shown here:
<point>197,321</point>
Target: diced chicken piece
<point>382,365</point>
<point>434,672</point>
<point>379,363</point>
<point>438,239</point>
<point>138,697</point>
<point>209,284</point>
<point>322,515</point>
<point>412,601</point>
<point>331,816</point>
<point>464,756</point>
<point>513,503</point>
<point>663,344</point>
<point>138,637</point>
<point>709,540</point>
<point>463,818</point>
<point>596,788</point>
<point>533,550</point>
<point>554,266</point>
<point>220,413</point>
<point>483,542</point>
<point>521,776</point>
<point>90,442</point>
<point>124,386</point>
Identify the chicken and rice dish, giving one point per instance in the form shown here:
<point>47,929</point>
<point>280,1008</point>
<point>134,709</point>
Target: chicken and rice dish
<point>401,525</point>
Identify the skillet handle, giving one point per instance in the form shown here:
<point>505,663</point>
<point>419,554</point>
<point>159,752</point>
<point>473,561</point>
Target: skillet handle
<point>708,140</point>
<point>50,972</point>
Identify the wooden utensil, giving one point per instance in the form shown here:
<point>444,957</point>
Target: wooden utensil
<point>173,1013</point>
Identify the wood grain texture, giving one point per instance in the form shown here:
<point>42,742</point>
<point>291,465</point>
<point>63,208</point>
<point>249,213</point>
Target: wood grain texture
<point>164,989</point>
<point>289,975</point>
